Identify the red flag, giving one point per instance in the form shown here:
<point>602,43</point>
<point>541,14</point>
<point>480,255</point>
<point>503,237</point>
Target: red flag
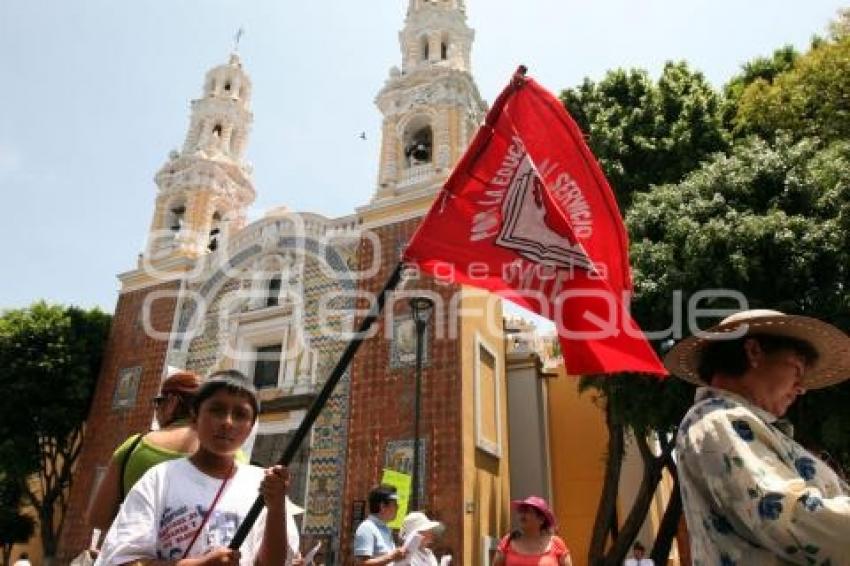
<point>527,213</point>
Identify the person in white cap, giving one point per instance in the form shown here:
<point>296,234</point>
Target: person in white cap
<point>373,540</point>
<point>418,526</point>
<point>751,494</point>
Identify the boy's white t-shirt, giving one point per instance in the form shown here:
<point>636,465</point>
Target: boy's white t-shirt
<point>162,512</point>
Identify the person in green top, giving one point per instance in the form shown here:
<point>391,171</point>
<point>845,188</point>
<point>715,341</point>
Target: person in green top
<point>175,438</point>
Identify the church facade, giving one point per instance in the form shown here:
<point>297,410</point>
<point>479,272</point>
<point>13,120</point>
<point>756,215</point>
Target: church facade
<point>277,298</point>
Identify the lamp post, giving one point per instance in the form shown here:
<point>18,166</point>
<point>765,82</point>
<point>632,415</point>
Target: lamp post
<point>421,308</point>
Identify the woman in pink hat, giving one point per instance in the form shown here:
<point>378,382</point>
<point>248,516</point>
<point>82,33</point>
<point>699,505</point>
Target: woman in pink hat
<point>534,543</point>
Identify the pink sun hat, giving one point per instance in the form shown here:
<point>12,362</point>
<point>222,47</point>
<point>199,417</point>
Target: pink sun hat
<point>540,505</point>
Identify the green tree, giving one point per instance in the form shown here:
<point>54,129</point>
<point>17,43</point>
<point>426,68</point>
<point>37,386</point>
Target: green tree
<point>14,527</point>
<point>769,221</point>
<point>809,99</point>
<point>645,133</point>
<point>49,361</point>
<point>764,69</point>
<point>840,27</point>
<point>638,409</point>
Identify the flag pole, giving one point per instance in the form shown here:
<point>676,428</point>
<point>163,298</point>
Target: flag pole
<point>321,399</point>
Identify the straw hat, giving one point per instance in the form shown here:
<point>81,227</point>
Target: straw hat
<point>418,522</point>
<point>831,344</point>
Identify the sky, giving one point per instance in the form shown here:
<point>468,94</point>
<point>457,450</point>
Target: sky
<point>95,93</point>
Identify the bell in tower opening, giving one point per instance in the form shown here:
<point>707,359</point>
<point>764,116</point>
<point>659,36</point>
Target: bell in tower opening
<point>418,149</point>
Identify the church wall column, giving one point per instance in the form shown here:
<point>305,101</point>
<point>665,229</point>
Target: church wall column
<point>226,136</point>
<point>160,214</point>
<point>199,218</point>
<point>458,142</point>
<point>443,137</point>
<point>435,40</point>
<point>389,154</point>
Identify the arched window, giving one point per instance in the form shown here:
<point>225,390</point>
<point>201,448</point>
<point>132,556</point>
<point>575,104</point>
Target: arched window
<point>176,217</point>
<point>418,142</point>
<point>273,291</point>
<point>267,366</point>
<point>424,48</point>
<point>268,277</point>
<point>444,50</point>
<point>227,86</point>
<point>217,130</point>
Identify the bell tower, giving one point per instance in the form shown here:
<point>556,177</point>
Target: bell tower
<point>205,189</point>
<point>431,106</point>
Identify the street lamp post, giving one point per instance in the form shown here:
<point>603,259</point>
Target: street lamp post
<point>421,308</point>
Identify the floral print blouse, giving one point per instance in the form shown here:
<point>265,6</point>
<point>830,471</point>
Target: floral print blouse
<point>753,496</point>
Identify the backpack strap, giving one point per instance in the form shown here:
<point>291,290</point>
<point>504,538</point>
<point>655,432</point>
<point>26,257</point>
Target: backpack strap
<point>124,462</point>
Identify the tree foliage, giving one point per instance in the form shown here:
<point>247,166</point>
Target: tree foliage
<point>767,216</point>
<point>764,69</point>
<point>839,28</point>
<point>645,133</point>
<point>809,99</point>
<point>15,527</point>
<point>769,221</point>
<point>49,360</point>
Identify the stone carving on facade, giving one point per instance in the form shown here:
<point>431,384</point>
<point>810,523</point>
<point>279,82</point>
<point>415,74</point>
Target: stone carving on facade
<point>444,87</point>
<point>443,156</point>
<point>269,236</point>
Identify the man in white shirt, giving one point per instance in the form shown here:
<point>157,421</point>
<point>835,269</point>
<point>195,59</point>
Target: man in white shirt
<point>638,552</point>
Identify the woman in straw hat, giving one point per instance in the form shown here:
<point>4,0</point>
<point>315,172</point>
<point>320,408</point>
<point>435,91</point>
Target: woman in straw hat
<point>535,543</point>
<point>751,494</point>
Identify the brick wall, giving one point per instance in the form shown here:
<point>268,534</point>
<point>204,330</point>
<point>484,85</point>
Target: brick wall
<point>382,406</point>
<point>128,346</point>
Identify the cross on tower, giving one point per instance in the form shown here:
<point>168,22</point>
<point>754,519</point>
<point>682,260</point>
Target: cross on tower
<point>237,38</point>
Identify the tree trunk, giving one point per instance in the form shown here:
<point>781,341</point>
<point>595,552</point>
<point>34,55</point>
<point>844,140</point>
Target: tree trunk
<point>606,513</point>
<point>669,526</point>
<point>606,525</point>
<point>48,533</point>
<point>637,515</point>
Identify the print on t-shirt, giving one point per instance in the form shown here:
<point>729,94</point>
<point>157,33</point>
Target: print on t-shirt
<point>177,527</point>
<point>222,527</point>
